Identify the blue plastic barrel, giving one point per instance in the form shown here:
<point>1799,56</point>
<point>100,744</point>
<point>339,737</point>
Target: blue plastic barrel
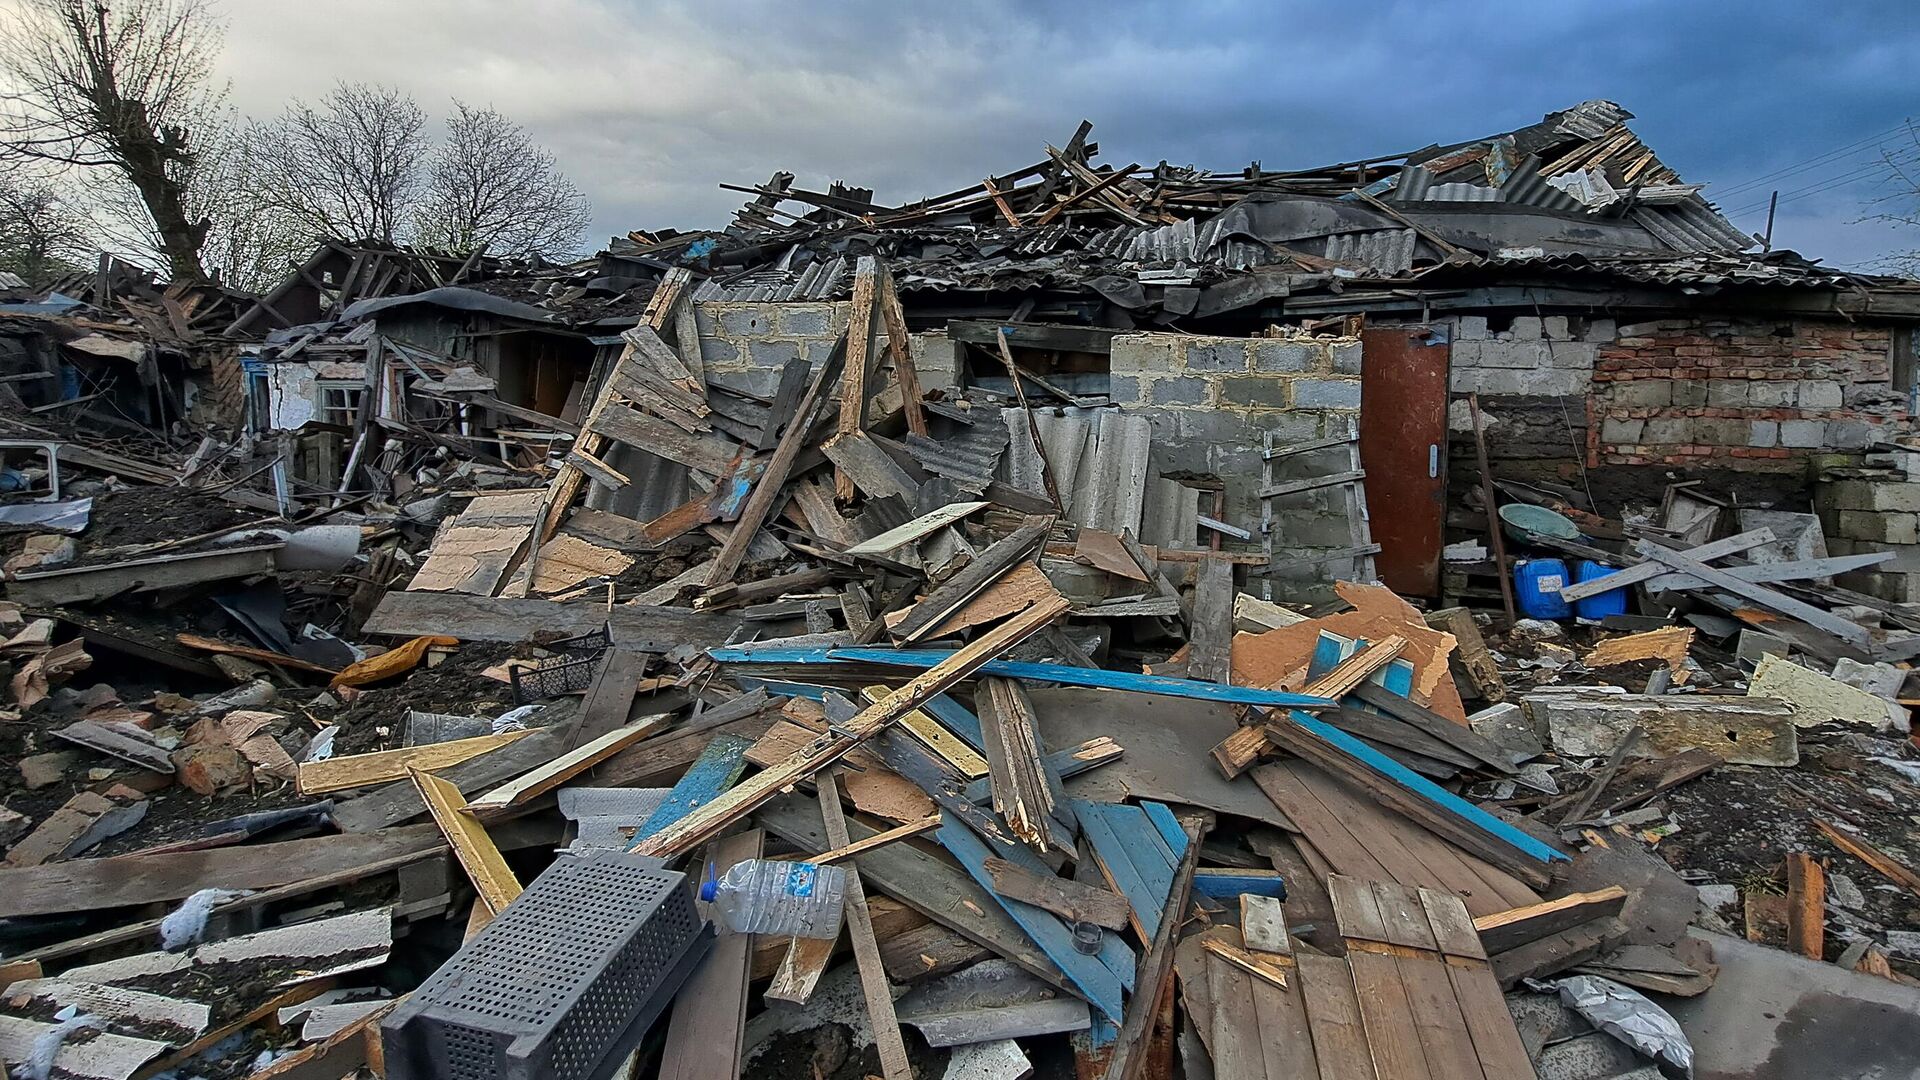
<point>1536,588</point>
<point>1611,602</point>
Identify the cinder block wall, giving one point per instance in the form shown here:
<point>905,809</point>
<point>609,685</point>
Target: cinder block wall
<point>1869,515</point>
<point>744,345</point>
<point>1212,399</point>
<point>1740,393</point>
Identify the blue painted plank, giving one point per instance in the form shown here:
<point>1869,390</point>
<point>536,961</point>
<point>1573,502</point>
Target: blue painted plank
<point>1328,650</point>
<point>1061,674</point>
<point>956,718</point>
<point>1353,748</point>
<point>1101,1035</point>
<point>1230,884</point>
<point>713,772</point>
<point>1088,974</point>
<point>1396,677</point>
<point>786,689</point>
<point>1137,867</point>
<point>1141,825</point>
<point>1169,826</point>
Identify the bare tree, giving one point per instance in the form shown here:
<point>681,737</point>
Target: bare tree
<point>490,185</point>
<point>348,167</point>
<point>1899,204</point>
<point>41,235</point>
<point>116,84</point>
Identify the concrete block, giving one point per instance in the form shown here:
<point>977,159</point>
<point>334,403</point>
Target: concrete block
<point>1291,356</point>
<point>1514,354</point>
<point>1326,393</point>
<point>1820,699</point>
<point>1600,331</point>
<point>1257,393</point>
<point>1816,394</point>
<point>1727,393</point>
<point>1555,327</point>
<point>1881,526</point>
<point>746,321</point>
<point>760,382</point>
<point>1893,495</point>
<point>1177,390</point>
<point>1803,434</point>
<point>1891,587</point>
<point>773,354</point>
<point>1126,390</point>
<point>1879,679</point>
<point>1764,433</point>
<point>1844,495</point>
<point>1689,394</point>
<point>1766,394</point>
<point>1849,434</point>
<point>1470,328</point>
<point>1641,394</point>
<point>1742,730</point>
<point>1573,355</point>
<point>1721,431</point>
<point>704,321</point>
<point>936,359</point>
<point>1622,432</point>
<point>1526,328</point>
<point>1347,358</point>
<point>1669,430</point>
<point>715,350</point>
<point>806,320</point>
<point>1229,355</point>
<point>1150,354</point>
<point>1647,329</point>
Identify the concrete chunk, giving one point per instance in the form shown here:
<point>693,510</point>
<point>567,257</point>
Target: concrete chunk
<point>1820,699</point>
<point>1741,730</point>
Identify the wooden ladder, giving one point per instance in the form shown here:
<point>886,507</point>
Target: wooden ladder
<point>1351,480</point>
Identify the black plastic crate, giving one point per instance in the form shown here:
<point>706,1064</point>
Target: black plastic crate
<point>552,679</point>
<point>563,984</point>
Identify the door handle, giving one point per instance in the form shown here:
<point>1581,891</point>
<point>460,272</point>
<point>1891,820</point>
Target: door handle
<point>1433,461</point>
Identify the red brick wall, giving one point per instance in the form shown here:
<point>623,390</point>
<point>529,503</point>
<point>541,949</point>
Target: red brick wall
<point>1739,393</point>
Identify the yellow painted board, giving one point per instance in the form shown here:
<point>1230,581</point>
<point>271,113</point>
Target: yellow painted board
<point>566,766</point>
<point>937,738</point>
<point>491,876</point>
<point>359,770</point>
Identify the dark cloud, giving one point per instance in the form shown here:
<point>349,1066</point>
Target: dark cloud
<point>651,105</point>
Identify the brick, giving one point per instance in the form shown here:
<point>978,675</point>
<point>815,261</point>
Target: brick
<point>1326,394</point>
<point>1226,356</point>
<point>1763,433</point>
<point>1292,356</point>
<point>1261,393</point>
<point>1614,430</point>
<point>1803,434</point>
<point>1176,390</point>
<point>1820,395</point>
<point>1642,392</point>
<point>773,353</point>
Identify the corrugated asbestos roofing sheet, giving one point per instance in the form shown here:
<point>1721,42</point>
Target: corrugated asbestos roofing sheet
<point>11,280</point>
<point>1191,242</point>
<point>1591,119</point>
<point>1388,251</point>
<point>818,281</point>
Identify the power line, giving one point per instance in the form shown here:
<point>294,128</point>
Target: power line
<point>1808,163</point>
<point>1829,183</point>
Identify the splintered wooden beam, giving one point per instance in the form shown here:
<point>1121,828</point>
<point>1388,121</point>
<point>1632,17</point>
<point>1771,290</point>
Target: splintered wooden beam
<point>1890,867</point>
<point>359,770</point>
<point>1156,966</point>
<point>563,768</point>
<point>759,504</point>
<point>988,567</point>
<point>1515,927</point>
<point>891,1047</point>
<point>900,350</point>
<point>853,380</point>
<point>1015,771</point>
<point>492,878</point>
<point>1238,751</point>
<point>1806,906</point>
<point>707,821</point>
<point>879,839</point>
<point>1075,901</point>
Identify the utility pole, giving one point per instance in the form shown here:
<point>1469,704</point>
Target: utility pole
<point>1772,205</point>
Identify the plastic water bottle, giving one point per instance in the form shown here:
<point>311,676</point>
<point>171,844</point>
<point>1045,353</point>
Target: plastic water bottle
<point>784,899</point>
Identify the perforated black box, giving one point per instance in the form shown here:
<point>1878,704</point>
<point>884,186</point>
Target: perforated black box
<point>563,984</point>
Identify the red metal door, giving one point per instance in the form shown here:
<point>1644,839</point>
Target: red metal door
<point>1403,448</point>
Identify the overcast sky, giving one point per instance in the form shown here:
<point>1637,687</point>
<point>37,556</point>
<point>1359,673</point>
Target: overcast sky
<point>650,105</point>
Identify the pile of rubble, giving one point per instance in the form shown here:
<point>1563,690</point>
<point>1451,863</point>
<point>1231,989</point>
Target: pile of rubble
<point>396,729</point>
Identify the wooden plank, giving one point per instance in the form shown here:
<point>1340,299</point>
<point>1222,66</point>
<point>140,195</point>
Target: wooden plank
<point>1236,1037</point>
<point>1210,630</point>
<point>610,699</point>
<point>870,468</point>
<point>396,802</point>
<point>1445,1041</point>
<point>1333,1017</point>
<point>1453,931</point>
<point>1069,899</point>
<point>1386,1015</point>
<point>1430,723</point>
<point>931,734</point>
<point>1554,953</point>
<point>1806,906</point>
<point>264,656</point>
<point>598,471</point>
<point>1483,671</point>
<point>861,847</point>
<point>712,773</point>
<point>1021,791</point>
<point>492,878</point>
<point>1232,885</point>
<point>1517,926</point>
<point>926,883</point>
<point>962,587</point>
<point>500,800</point>
<point>1090,977</point>
<point>1646,570</point>
<point>1156,967</point>
<point>1887,865</point>
<point>1323,829</point>
<point>922,526</point>
<point>1404,916</point>
<point>759,504</point>
<point>1241,749</point>
<point>1143,882</point>
<point>1285,1033</point>
<point>360,770</point>
<point>866,951</point>
<point>853,379</point>
<point>900,351</point>
<point>1269,971</point>
<point>708,1025</point>
<point>1816,617</point>
<point>710,454</point>
<point>871,720</point>
<point>1496,1040</point>
<point>1356,909</point>
<point>485,618</point>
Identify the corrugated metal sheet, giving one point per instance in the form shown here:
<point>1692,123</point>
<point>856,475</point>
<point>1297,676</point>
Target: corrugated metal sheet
<point>1388,251</point>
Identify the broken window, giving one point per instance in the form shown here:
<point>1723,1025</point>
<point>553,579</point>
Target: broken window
<point>339,401</point>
